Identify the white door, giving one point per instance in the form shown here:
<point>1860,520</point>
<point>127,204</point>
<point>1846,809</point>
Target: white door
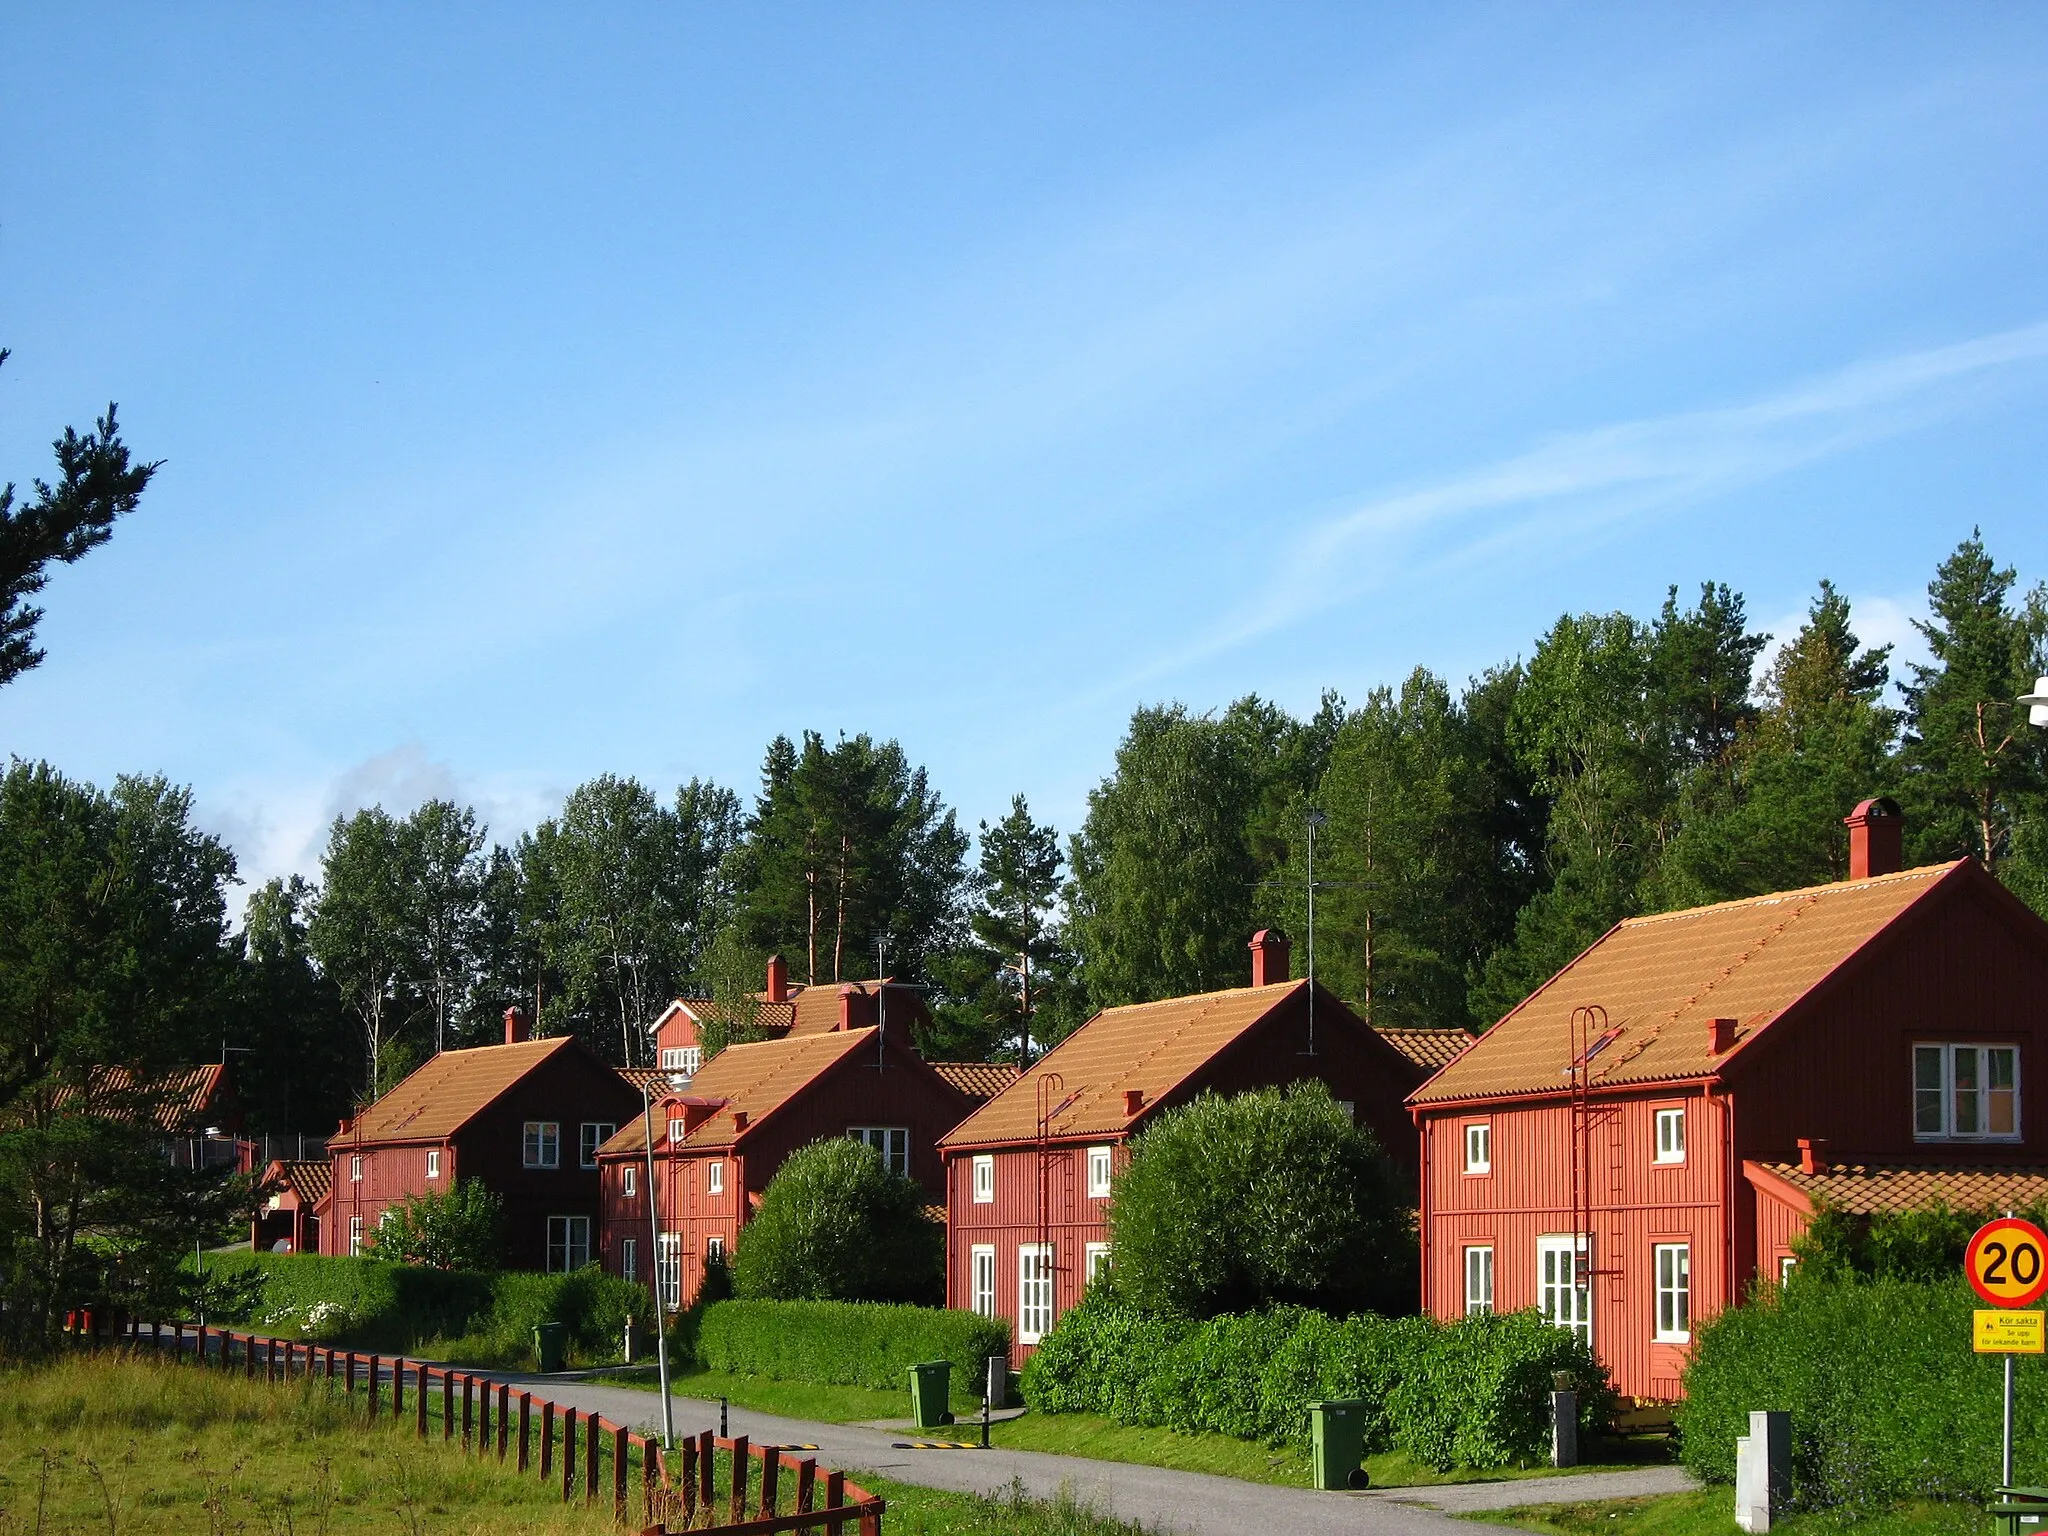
<point>1563,1288</point>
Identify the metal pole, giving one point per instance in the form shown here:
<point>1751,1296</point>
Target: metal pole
<point>668,1407</point>
<point>2006,1475</point>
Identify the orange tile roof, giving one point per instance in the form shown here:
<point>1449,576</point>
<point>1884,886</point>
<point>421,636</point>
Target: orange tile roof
<point>755,1079</point>
<point>1152,1047</point>
<point>1427,1048</point>
<point>1661,978</point>
<point>176,1098</point>
<point>310,1181</point>
<point>979,1080</point>
<point>639,1078</point>
<point>1863,1189</point>
<point>439,1098</point>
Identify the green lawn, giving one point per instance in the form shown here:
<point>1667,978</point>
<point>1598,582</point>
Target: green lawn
<point>915,1511</point>
<point>1711,1512</point>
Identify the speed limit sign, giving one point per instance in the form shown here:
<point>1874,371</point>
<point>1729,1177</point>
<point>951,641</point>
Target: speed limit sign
<point>2007,1262</point>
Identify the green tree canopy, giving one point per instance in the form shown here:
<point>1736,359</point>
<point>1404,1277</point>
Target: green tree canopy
<point>835,1224</point>
<point>459,1228</point>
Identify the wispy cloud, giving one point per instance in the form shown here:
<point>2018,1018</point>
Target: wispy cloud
<point>1591,478</point>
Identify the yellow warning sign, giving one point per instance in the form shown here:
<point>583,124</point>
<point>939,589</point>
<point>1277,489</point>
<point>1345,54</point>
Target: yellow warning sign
<point>2009,1333</point>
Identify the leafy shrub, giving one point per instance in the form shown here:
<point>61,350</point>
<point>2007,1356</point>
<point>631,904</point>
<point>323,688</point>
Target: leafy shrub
<point>836,1225</point>
<point>460,1228</point>
<point>1335,1233</point>
<point>855,1344</point>
<point>1922,1245</point>
<point>1472,1393</point>
<point>1886,1397</point>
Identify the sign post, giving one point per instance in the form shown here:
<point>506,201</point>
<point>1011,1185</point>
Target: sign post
<point>2007,1265</point>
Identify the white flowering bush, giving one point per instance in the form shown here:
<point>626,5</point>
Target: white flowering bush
<point>326,1321</point>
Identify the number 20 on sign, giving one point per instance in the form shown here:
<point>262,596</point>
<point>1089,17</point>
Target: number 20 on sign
<point>2005,1262</point>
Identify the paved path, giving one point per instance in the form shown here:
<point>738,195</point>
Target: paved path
<point>1194,1503</point>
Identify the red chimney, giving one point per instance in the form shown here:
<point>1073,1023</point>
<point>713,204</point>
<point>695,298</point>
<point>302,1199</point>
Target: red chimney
<point>1134,1100</point>
<point>515,1024</point>
<point>778,979</point>
<point>1813,1154</point>
<point>1721,1035</point>
<point>739,1119</point>
<point>1269,948</point>
<point>1876,839</point>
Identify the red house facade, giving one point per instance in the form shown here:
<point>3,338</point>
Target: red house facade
<point>526,1118</point>
<point>1646,1134</point>
<point>721,1139</point>
<point>784,1010</point>
<point>289,1220</point>
<point>1028,1175</point>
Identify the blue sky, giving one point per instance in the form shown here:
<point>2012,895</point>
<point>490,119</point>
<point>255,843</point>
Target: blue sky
<point>547,391</point>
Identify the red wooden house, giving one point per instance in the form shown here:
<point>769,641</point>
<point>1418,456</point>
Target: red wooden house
<point>525,1117</point>
<point>289,1220</point>
<point>720,1140</point>
<point>784,1010</point>
<point>1643,1136</point>
<point>1028,1174</point>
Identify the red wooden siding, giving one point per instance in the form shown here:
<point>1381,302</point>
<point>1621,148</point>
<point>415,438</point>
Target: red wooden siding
<point>1010,1222</point>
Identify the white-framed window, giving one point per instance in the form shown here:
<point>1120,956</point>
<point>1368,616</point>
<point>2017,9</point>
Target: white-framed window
<point>984,1180</point>
<point>1671,1135</point>
<point>355,1168</point>
<point>1564,1292</point>
<point>1479,1147</point>
<point>682,1058</point>
<point>678,1129</point>
<point>714,1247</point>
<point>1786,1264</point>
<point>629,1181</point>
<point>594,1134</point>
<point>981,1279</point>
<point>1095,1261</point>
<point>714,1176</point>
<point>1099,1172</point>
<point>629,1258</point>
<point>892,1141</point>
<point>1034,1292</point>
<point>1673,1263</point>
<point>541,1144</point>
<point>355,1237</point>
<point>668,1259</point>
<point>1478,1279</point>
<point>568,1243</point>
<point>433,1162</point>
<point>1966,1093</point>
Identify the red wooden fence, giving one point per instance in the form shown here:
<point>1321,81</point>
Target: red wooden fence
<point>678,1490</point>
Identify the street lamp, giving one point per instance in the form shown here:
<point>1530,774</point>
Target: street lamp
<point>668,1407</point>
<point>2036,702</point>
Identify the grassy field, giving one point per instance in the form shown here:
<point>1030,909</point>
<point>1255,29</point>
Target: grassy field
<point>1711,1512</point>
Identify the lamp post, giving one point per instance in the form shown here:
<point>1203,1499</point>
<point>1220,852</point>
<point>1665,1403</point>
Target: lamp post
<point>2036,702</point>
<point>668,1407</point>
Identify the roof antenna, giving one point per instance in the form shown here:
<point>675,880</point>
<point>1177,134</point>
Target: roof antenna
<point>881,999</point>
<point>1316,818</point>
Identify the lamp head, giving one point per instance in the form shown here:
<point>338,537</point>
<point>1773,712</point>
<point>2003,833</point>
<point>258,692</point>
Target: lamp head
<point>2037,702</point>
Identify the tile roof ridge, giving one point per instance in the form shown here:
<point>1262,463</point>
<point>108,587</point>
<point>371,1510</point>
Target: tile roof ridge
<point>1810,892</point>
<point>1210,1002</point>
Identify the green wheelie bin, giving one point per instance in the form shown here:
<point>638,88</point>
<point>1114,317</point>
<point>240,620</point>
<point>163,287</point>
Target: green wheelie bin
<point>547,1345</point>
<point>1337,1443</point>
<point>931,1386</point>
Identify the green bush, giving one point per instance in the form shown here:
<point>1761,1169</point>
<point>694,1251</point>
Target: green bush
<point>1887,1399</point>
<point>1924,1245</point>
<point>1473,1393</point>
<point>460,1228</point>
<point>855,1344</point>
<point>1335,1232</point>
<point>836,1225</point>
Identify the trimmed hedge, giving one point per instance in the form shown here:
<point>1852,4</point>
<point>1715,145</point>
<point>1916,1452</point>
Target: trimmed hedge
<point>1888,1400</point>
<point>846,1343</point>
<point>401,1306</point>
<point>1473,1393</point>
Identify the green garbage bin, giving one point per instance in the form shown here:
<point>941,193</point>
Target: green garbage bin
<point>931,1387</point>
<point>1337,1443</point>
<point>547,1345</point>
<point>2021,1511</point>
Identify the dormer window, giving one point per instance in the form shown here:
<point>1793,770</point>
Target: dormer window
<point>1966,1092</point>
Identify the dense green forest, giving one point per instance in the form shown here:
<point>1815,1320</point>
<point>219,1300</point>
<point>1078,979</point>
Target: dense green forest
<point>1467,843</point>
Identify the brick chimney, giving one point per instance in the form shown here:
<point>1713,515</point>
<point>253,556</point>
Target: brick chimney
<point>856,1008</point>
<point>778,979</point>
<point>1134,1100</point>
<point>1721,1035</point>
<point>1876,839</point>
<point>515,1024</point>
<point>1269,948</point>
<point>1813,1154</point>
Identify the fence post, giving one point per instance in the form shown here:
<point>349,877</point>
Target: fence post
<point>871,1518</point>
<point>650,1459</point>
<point>835,1490</point>
<point>504,1408</point>
<point>248,1357</point>
<point>468,1409</point>
<point>690,1476</point>
<point>397,1386</point>
<point>547,1437</point>
<point>525,1410</point>
<point>447,1405</point>
<point>376,1370</point>
<point>739,1478</point>
<point>483,1418</point>
<point>568,1453</point>
<point>707,1470</point>
<point>419,1399</point>
<point>806,1484</point>
<point>592,1439</point>
<point>348,1373</point>
<point>771,1471</point>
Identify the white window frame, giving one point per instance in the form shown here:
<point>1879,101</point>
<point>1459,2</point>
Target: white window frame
<point>714,1176</point>
<point>1671,1269</point>
<point>1670,1125</point>
<point>433,1162</point>
<point>592,1135</point>
<point>892,1142</point>
<point>668,1262</point>
<point>1094,1262</point>
<point>1101,1172</point>
<point>355,1237</point>
<point>714,1246</point>
<point>1479,1146</point>
<point>1478,1279</point>
<point>355,1168</point>
<point>1035,1291</point>
<point>983,1180</point>
<point>1981,1057</point>
<point>678,1129</point>
<point>629,1258</point>
<point>1786,1264</point>
<point>629,1181</point>
<point>981,1279</point>
<point>540,1144</point>
<point>1564,1290</point>
<point>574,1240</point>
<point>682,1058</point>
